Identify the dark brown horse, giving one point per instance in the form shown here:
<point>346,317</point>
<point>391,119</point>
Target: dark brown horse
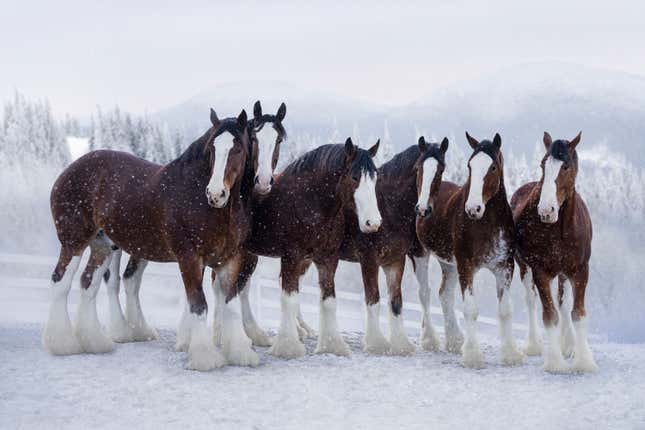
<point>302,221</point>
<point>471,227</point>
<point>554,240</point>
<point>189,211</point>
<point>266,133</point>
<point>399,188</point>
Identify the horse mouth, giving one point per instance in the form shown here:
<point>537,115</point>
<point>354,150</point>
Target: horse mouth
<point>263,191</point>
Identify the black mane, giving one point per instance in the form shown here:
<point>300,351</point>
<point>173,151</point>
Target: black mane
<point>196,149</point>
<point>266,118</point>
<point>331,157</point>
<point>487,147</point>
<point>402,163</point>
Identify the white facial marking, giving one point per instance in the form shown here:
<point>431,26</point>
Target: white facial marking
<point>369,217</point>
<point>479,165</point>
<point>216,191</point>
<point>266,145</point>
<point>548,207</point>
<point>429,171</point>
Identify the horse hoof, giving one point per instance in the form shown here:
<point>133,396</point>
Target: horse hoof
<point>402,346</point>
<point>204,358</point>
<point>96,344</point>
<point>332,344</point>
<point>429,342</point>
<point>532,347</point>
<point>586,364</point>
<point>258,336</point>
<point>511,356</point>
<point>121,333</point>
<point>472,357</point>
<point>454,343</point>
<point>377,345</point>
<point>61,343</point>
<point>144,334</point>
<point>287,347</point>
<point>557,366</point>
<point>242,357</point>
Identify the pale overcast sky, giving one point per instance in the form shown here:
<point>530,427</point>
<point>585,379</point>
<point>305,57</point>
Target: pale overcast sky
<point>146,55</point>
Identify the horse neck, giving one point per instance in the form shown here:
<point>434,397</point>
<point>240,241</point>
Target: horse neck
<point>248,177</point>
<point>192,164</point>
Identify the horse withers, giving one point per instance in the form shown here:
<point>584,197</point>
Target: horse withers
<point>189,211</point>
<point>469,228</point>
<point>302,221</point>
<point>554,234</point>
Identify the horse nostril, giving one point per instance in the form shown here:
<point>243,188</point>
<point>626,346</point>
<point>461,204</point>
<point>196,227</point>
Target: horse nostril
<point>368,223</point>
<point>256,180</point>
<point>552,209</point>
<point>479,208</point>
<point>271,181</point>
<point>222,194</point>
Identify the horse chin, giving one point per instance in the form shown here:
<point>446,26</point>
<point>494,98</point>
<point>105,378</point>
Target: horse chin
<point>548,219</point>
<point>262,191</point>
<point>217,204</point>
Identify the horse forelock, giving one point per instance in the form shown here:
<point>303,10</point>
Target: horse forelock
<point>490,149</point>
<point>363,164</point>
<point>560,150</point>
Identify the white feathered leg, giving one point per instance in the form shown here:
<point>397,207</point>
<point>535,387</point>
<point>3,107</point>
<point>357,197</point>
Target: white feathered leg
<point>88,328</point>
<point>471,352</point>
<point>251,327</point>
<point>583,361</point>
<point>119,329</point>
<point>287,343</point>
<point>374,341</point>
<point>533,342</point>
<point>133,313</point>
<point>567,335</point>
<point>510,354</point>
<point>428,338</point>
<point>329,338</point>
<point>58,335</point>
<point>202,354</point>
<point>454,336</point>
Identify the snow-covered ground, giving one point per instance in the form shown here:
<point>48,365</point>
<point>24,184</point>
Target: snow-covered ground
<point>144,385</point>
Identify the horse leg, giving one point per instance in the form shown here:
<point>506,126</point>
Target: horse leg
<point>398,339</point>
<point>235,344</point>
<point>202,354</point>
<point>454,336</point>
<point>329,338</point>
<point>471,352</point>
<point>88,328</point>
<point>533,342</point>
<point>132,277</point>
<point>374,341</point>
<point>428,338</point>
<point>119,329</point>
<point>510,354</point>
<point>287,343</point>
<point>304,330</point>
<point>583,360</point>
<point>567,337</point>
<point>553,359</point>
<point>58,336</point>
<point>251,327</point>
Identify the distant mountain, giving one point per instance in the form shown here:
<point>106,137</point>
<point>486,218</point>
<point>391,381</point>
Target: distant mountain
<point>520,102</point>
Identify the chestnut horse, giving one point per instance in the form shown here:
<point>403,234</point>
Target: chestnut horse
<point>471,227</point>
<point>398,188</point>
<point>554,239</point>
<point>266,133</point>
<point>302,221</point>
<point>189,211</point>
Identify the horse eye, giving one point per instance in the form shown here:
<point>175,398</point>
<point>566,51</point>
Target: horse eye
<point>355,178</point>
<point>565,167</point>
<point>494,168</point>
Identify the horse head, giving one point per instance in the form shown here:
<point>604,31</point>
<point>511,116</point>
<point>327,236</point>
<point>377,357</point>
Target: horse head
<point>559,171</point>
<point>267,133</point>
<point>226,149</point>
<point>429,166</point>
<point>485,174</point>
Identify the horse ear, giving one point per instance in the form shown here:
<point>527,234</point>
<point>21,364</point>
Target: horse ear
<point>547,141</point>
<point>257,110</point>
<point>350,149</point>
<point>497,140</point>
<point>423,146</point>
<point>214,119</point>
<point>374,149</point>
<point>282,111</point>
<point>444,145</point>
<point>241,120</point>
<point>575,141</point>
<point>472,141</point>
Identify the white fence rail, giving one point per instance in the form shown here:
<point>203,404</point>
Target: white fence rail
<point>264,298</point>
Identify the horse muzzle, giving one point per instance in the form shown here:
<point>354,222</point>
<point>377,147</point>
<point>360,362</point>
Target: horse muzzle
<point>218,199</point>
<point>548,214</point>
<point>370,225</point>
<point>423,211</point>
<point>475,212</point>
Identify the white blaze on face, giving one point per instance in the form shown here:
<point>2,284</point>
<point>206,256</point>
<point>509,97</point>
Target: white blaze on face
<point>266,145</point>
<point>429,170</point>
<point>548,207</point>
<point>216,191</point>
<point>369,217</point>
<point>479,165</point>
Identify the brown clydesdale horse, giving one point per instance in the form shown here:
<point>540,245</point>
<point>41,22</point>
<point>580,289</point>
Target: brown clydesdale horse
<point>266,133</point>
<point>399,185</point>
<point>554,240</point>
<point>189,211</point>
<point>302,221</point>
<point>471,227</point>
